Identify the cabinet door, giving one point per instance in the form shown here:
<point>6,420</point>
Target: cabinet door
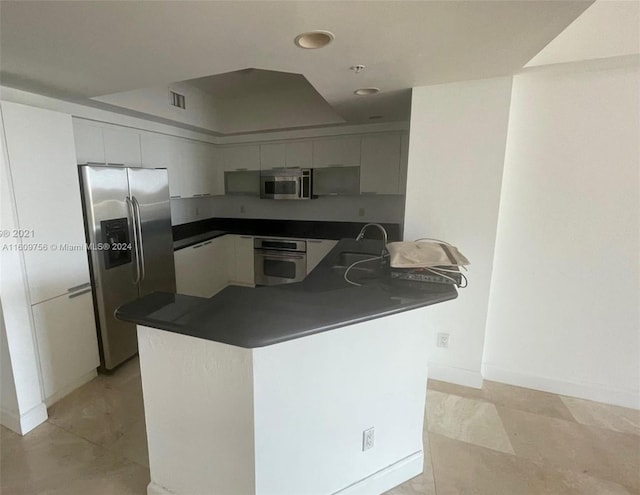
<point>219,261</point>
<point>89,142</point>
<point>380,168</point>
<point>336,152</point>
<point>191,278</point>
<point>160,151</point>
<point>122,147</point>
<point>202,174</point>
<point>272,156</point>
<point>245,157</point>
<point>244,261</point>
<point>299,154</point>
<point>47,192</point>
<point>67,342</point>
<point>317,249</point>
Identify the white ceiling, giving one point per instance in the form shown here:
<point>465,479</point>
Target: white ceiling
<point>79,50</point>
<point>606,29</point>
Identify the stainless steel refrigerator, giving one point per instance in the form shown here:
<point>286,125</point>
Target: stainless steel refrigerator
<point>129,210</point>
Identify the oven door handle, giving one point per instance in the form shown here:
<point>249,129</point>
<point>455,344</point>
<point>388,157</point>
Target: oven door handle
<point>279,256</point>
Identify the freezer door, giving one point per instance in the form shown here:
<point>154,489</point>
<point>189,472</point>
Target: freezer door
<point>113,273</point>
<point>149,191</point>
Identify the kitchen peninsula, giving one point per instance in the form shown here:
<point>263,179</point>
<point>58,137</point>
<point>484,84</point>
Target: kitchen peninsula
<point>316,387</point>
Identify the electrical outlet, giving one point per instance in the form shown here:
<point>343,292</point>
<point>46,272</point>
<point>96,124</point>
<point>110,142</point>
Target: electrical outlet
<point>242,209</point>
<point>368,438</point>
<point>360,212</point>
<point>443,340</point>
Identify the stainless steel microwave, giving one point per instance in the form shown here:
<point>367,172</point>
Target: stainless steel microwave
<point>286,183</point>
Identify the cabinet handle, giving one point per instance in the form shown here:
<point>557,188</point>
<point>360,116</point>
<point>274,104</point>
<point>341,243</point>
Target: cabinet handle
<point>198,246</point>
<point>115,164</point>
<point>78,287</point>
<point>76,294</point>
<point>241,169</point>
<point>175,197</point>
<point>206,194</point>
<point>208,242</point>
<point>97,163</point>
<point>197,195</point>
<point>315,241</point>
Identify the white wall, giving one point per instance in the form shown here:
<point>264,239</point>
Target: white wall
<point>564,307</point>
<point>344,209</point>
<point>456,156</point>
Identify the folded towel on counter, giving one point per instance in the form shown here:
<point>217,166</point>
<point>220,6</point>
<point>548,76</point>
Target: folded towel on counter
<point>424,253</point>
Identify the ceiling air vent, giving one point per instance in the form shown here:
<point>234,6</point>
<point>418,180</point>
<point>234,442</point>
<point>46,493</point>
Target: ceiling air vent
<point>177,100</point>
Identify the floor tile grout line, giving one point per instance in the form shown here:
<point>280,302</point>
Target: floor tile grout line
<point>106,449</point>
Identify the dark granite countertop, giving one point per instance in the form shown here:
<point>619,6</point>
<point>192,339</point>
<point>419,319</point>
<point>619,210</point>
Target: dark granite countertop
<point>185,235</point>
<point>262,316</point>
<point>198,238</point>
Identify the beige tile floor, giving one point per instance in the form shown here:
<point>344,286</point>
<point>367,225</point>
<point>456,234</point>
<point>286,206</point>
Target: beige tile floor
<point>498,440</point>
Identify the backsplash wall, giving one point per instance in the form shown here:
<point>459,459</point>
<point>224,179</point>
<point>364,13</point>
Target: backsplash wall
<point>386,209</point>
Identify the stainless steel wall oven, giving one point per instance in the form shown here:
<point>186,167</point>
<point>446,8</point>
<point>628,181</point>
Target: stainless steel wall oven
<point>279,261</point>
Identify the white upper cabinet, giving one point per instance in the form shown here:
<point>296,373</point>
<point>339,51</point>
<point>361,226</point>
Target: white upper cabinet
<point>241,157</point>
<point>272,155</point>
<point>380,167</point>
<point>299,154</point>
<point>336,152</point>
<point>42,159</point>
<point>202,173</point>
<point>159,151</point>
<point>89,142</point>
<point>122,146</point>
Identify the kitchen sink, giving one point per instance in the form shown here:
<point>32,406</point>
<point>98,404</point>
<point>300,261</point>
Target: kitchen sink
<point>347,258</point>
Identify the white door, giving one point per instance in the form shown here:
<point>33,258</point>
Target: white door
<point>47,190</point>
<point>67,342</point>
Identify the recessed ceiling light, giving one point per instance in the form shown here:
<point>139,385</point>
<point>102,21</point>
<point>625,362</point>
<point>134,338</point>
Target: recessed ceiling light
<point>314,39</point>
<point>366,91</point>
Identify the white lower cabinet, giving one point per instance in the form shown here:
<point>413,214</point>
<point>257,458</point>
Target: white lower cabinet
<point>243,273</point>
<point>317,249</point>
<point>203,270</point>
<point>67,342</point>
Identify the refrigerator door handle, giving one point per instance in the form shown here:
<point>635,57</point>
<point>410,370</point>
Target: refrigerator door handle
<point>140,242</point>
<point>136,250</point>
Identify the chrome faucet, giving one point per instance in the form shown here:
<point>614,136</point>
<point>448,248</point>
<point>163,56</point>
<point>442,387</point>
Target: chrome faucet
<point>384,236</point>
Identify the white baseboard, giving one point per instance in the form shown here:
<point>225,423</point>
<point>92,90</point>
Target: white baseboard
<point>385,479</point>
<point>459,376</point>
<point>24,423</point>
<point>49,401</point>
<point>587,391</point>
<point>379,482</point>
<point>155,489</point>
